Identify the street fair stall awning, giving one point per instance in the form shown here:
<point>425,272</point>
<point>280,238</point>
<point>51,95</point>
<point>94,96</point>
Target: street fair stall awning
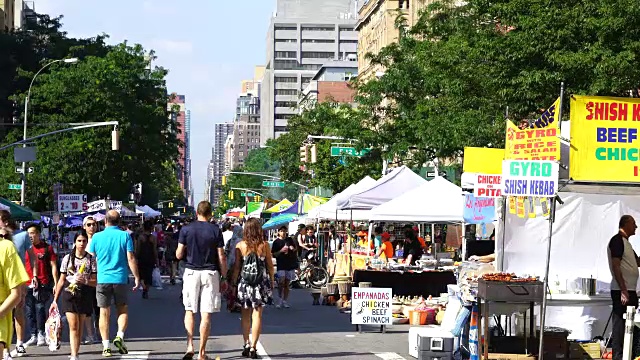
<point>282,205</point>
<point>435,201</point>
<point>279,220</point>
<point>18,213</point>
<point>388,187</point>
<point>147,211</point>
<point>293,209</point>
<point>310,202</point>
<point>254,209</point>
<point>126,212</point>
<point>329,210</point>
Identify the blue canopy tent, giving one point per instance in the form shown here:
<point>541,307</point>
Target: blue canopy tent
<point>293,209</point>
<point>279,220</point>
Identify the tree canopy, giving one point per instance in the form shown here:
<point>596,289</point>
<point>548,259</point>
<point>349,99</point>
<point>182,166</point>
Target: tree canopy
<point>109,83</point>
<point>450,78</point>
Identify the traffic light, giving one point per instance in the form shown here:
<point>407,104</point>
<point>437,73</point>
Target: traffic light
<point>230,194</point>
<point>224,180</point>
<point>314,153</point>
<point>304,154</point>
<point>257,198</point>
<point>170,204</point>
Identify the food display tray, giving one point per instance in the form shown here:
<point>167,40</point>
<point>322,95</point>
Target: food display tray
<point>512,292</point>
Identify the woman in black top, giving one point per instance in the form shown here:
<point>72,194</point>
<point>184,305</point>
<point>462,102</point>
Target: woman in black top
<point>412,250</point>
<point>147,256</point>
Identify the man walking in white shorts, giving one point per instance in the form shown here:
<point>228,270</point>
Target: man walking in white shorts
<point>201,245</point>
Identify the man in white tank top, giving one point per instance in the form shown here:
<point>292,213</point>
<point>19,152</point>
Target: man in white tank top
<point>623,263</point>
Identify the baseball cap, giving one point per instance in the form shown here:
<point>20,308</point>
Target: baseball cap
<point>86,220</point>
<point>385,235</point>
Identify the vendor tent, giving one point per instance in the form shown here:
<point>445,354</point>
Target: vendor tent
<point>18,212</point>
<point>279,221</point>
<point>147,211</point>
<point>329,210</point>
<point>293,209</point>
<point>435,201</point>
<point>310,202</point>
<point>388,187</point>
<point>282,205</point>
<point>125,212</point>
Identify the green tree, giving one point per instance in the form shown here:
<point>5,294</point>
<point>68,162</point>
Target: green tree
<point>114,87</point>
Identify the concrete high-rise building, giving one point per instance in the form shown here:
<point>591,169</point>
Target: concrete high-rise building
<point>208,189</point>
<point>222,131</point>
<point>177,109</point>
<point>7,15</point>
<point>23,13</point>
<point>302,36</point>
<point>331,83</point>
<point>246,129</point>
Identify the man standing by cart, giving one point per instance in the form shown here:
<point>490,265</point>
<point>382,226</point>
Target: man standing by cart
<point>623,263</point>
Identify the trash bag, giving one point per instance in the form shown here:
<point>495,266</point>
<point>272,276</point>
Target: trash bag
<point>53,329</point>
<point>156,278</point>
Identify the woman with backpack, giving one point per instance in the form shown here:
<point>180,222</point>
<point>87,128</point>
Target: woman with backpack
<point>77,276</point>
<point>253,274</point>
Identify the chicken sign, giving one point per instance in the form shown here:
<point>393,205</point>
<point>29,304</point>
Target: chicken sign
<point>487,186</point>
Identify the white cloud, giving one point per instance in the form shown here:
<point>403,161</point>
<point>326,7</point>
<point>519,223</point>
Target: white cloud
<point>172,46</point>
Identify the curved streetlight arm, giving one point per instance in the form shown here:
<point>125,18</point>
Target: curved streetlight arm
<point>248,190</point>
<point>21,142</point>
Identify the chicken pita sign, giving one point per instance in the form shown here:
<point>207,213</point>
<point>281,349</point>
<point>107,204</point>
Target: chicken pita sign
<point>487,186</point>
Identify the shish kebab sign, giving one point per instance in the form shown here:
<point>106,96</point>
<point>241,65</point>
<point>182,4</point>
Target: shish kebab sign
<point>538,178</point>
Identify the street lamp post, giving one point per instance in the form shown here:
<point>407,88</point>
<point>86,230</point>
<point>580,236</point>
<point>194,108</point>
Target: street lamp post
<point>26,110</point>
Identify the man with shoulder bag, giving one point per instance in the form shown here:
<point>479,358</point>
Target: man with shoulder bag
<point>41,286</point>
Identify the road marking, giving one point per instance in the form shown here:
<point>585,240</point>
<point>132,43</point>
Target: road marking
<point>261,351</point>
<point>136,355</point>
<point>350,335</point>
<point>389,356</point>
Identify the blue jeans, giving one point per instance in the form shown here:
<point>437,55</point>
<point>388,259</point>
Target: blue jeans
<point>36,311</point>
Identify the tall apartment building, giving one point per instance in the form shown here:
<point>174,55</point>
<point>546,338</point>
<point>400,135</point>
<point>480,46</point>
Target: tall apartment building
<point>302,36</point>
<point>222,131</point>
<point>7,15</point>
<point>208,188</point>
<point>23,13</point>
<point>376,28</point>
<point>246,129</point>
<point>179,115</point>
<point>331,83</point>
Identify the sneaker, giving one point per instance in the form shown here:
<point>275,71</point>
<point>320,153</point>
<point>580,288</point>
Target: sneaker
<point>32,341</point>
<point>286,305</point>
<point>172,281</point>
<point>279,305</point>
<point>145,294</point>
<point>7,356</point>
<point>41,340</point>
<point>89,340</point>
<point>106,353</point>
<point>119,343</point>
<point>20,350</point>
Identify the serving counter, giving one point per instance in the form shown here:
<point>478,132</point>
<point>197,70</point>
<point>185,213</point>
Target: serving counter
<point>425,283</point>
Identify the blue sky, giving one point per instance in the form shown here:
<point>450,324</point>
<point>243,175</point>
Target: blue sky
<point>208,46</point>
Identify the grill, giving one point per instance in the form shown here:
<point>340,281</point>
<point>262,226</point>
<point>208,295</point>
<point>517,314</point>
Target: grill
<point>512,292</point>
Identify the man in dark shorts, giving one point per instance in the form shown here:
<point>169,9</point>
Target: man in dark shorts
<point>284,249</point>
<point>114,253</point>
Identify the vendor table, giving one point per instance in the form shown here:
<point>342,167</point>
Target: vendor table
<point>357,262</point>
<point>424,283</point>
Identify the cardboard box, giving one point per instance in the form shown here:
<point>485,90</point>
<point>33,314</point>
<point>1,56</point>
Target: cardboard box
<point>589,350</point>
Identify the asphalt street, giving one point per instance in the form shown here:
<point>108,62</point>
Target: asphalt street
<point>304,331</point>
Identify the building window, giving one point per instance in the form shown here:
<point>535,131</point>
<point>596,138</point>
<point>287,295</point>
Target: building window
<point>286,54</point>
<point>283,116</point>
<point>280,128</point>
<point>286,79</point>
<point>286,92</point>
<point>241,153</point>
<point>285,27</point>
<point>311,66</point>
<point>343,29</point>
<point>318,28</point>
<point>318,55</point>
<point>287,41</point>
<point>348,41</point>
<point>286,104</point>
<point>286,64</point>
<point>317,41</point>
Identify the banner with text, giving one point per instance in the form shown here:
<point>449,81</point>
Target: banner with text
<point>371,306</point>
<point>604,139</point>
<point>529,178</point>
<point>487,185</point>
<point>479,210</point>
<point>538,142</point>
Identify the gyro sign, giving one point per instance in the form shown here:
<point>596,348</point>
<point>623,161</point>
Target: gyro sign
<point>529,178</point>
<point>488,186</point>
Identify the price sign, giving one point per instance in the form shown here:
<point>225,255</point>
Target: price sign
<point>371,306</point>
<point>72,202</point>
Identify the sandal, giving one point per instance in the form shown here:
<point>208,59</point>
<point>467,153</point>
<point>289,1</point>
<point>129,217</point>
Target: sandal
<point>245,350</point>
<point>253,353</point>
<point>188,355</point>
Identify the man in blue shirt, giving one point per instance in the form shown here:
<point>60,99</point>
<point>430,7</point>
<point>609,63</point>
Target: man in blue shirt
<point>113,249</point>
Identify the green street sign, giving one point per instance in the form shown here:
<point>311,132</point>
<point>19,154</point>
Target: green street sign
<point>349,151</point>
<point>273,184</point>
<point>15,187</point>
<point>246,194</point>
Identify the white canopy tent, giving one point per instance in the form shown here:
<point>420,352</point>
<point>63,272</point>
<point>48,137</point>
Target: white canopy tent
<point>388,187</point>
<point>147,211</point>
<point>437,201</point>
<point>329,210</point>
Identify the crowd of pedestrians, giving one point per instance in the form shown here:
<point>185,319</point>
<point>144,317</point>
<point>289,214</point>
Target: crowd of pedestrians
<point>228,261</point>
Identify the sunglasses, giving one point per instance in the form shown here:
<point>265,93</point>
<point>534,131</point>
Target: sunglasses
<point>4,236</point>
<point>91,224</point>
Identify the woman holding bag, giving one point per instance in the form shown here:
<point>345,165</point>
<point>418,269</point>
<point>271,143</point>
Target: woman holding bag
<point>77,276</point>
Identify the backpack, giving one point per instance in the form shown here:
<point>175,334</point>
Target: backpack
<point>252,269</point>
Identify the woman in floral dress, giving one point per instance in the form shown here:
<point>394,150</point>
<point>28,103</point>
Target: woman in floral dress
<point>253,298</point>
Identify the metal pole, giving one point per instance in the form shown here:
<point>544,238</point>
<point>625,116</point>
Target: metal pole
<point>627,348</point>
<point>559,111</point>
<point>24,138</point>
<point>543,307</point>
